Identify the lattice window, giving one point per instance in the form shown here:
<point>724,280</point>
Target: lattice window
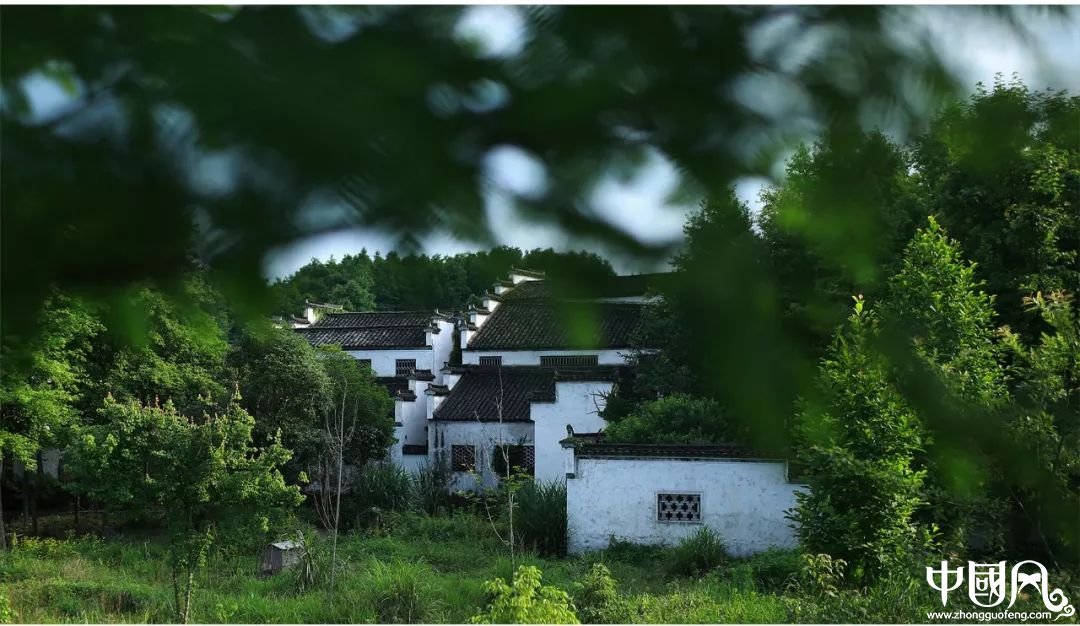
<point>364,363</point>
<point>678,507</point>
<point>491,361</point>
<point>404,367</point>
<point>521,458</point>
<point>569,360</point>
<point>463,458</point>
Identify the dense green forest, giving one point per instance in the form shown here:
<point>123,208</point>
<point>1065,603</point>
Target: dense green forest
<point>928,385</point>
<point>418,282</point>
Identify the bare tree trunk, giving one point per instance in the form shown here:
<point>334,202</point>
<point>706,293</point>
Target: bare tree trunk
<point>187,599</point>
<point>337,520</point>
<point>3,529</point>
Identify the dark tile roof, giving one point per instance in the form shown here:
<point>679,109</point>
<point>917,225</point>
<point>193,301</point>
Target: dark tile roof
<point>609,287</point>
<point>422,375</point>
<point>475,397</point>
<point>364,338</point>
<point>590,448</point>
<point>540,324</point>
<point>410,449</point>
<point>375,319</point>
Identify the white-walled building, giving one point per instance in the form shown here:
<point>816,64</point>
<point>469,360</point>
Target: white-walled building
<point>405,349</point>
<point>660,494</point>
<point>535,359</point>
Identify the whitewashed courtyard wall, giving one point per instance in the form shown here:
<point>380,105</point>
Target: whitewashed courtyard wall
<point>744,501</point>
<point>577,404</point>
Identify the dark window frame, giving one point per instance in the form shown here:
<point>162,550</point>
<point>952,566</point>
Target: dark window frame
<point>491,361</point>
<point>570,360</point>
<point>402,367</point>
<point>520,456</point>
<point>467,462</point>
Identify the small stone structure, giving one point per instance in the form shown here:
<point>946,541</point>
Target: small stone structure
<point>660,494</point>
<point>280,556</point>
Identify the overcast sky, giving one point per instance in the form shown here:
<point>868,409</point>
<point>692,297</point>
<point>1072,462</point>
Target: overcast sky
<point>975,48</point>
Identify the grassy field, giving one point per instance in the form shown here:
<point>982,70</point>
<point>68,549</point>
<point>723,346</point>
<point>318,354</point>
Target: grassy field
<point>417,569</point>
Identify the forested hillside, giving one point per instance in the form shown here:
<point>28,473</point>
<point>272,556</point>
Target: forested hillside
<point>360,282</point>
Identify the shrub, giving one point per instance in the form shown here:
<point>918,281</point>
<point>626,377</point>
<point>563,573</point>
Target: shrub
<point>7,614</point>
<point>597,598</point>
<point>540,521</point>
<point>697,554</point>
<point>527,601</point>
<point>430,488</point>
<point>773,569</point>
<point>400,592</point>
<point>378,488</point>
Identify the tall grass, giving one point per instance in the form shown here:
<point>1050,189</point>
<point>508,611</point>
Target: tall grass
<point>379,488</point>
<point>697,554</point>
<point>400,592</point>
<point>540,522</point>
<point>430,488</point>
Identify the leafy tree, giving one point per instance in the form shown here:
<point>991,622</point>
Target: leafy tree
<point>860,440</point>
<point>1001,172</point>
<point>946,361</point>
<point>205,476</point>
<point>364,402</point>
<point>676,419</point>
<point>162,348</point>
<point>38,394</point>
<point>724,338</point>
<point>285,386</point>
<point>1044,490</point>
<point>837,225</point>
<point>526,601</point>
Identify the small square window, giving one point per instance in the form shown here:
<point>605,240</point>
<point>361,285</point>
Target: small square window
<point>491,361</point>
<point>520,458</point>
<point>404,367</point>
<point>678,507</point>
<point>463,458</point>
<point>364,363</point>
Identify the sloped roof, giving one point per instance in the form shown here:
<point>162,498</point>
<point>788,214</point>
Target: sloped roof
<point>363,338</point>
<point>374,330</point>
<point>536,324</point>
<point>476,396</point>
<point>608,287</point>
<point>375,319</point>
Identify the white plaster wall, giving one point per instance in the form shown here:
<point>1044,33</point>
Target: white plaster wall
<point>532,357</point>
<point>442,346</point>
<point>485,436</point>
<point>412,463</point>
<point>577,404</point>
<point>383,361</point>
<point>743,501</point>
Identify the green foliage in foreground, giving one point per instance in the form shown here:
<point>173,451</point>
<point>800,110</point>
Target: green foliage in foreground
<point>525,601</point>
<point>416,568</point>
<point>205,475</point>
